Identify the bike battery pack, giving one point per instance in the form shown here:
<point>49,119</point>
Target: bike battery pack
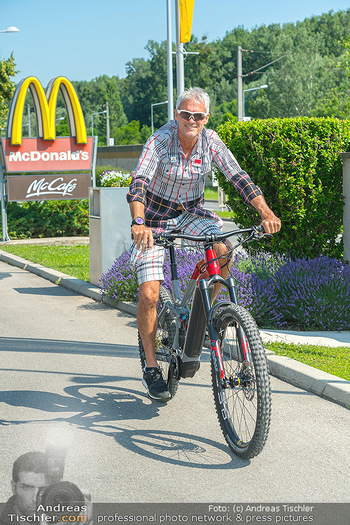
<point>195,336</point>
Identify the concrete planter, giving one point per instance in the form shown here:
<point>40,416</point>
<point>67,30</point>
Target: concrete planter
<point>109,226</point>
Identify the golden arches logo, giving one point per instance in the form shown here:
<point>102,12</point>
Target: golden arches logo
<point>45,110</point>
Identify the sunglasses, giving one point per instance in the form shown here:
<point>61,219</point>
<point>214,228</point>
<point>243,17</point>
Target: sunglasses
<point>186,115</point>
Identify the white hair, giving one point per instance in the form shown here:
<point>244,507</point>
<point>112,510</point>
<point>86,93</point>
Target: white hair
<point>194,93</point>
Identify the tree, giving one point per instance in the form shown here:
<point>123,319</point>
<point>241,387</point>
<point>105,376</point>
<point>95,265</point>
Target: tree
<point>146,84</point>
<point>131,133</point>
<point>93,96</point>
<point>7,87</point>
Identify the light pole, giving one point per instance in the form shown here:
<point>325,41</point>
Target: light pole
<point>152,105</point>
<point>92,119</point>
<point>264,86</point>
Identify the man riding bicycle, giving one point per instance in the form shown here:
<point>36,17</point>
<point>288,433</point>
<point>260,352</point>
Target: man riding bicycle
<point>167,193</point>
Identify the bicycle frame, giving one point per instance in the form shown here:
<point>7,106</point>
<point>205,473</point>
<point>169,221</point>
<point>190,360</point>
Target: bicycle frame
<point>202,315</point>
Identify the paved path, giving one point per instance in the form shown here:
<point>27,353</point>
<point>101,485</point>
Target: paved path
<point>70,365</point>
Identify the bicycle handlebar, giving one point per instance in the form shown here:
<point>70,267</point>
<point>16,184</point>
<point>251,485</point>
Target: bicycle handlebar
<point>171,236</point>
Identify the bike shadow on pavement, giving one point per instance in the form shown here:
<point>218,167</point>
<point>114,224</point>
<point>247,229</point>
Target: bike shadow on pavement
<point>113,411</point>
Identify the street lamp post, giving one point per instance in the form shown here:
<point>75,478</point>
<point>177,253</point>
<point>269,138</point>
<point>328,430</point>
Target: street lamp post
<point>152,105</point>
<point>264,86</point>
<point>92,119</point>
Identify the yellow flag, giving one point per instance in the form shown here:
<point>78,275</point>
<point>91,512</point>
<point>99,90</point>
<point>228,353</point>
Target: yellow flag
<point>186,15</point>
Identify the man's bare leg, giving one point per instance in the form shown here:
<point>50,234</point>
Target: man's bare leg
<point>225,265</point>
<point>147,319</point>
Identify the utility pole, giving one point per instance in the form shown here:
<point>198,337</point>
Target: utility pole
<point>239,85</point>
<point>107,116</point>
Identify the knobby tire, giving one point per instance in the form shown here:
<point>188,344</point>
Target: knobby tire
<point>243,400</point>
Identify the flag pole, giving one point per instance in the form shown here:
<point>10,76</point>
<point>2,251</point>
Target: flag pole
<point>170,64</point>
<point>180,75</point>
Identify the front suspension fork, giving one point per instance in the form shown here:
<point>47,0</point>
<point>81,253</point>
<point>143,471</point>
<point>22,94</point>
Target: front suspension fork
<point>213,334</point>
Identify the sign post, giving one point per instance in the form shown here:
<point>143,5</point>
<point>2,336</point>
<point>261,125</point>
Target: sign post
<point>4,236</point>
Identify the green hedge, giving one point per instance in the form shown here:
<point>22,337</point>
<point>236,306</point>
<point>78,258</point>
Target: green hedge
<point>48,218</point>
<point>36,219</point>
<point>297,164</point>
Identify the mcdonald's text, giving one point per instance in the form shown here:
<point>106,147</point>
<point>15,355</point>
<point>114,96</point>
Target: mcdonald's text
<point>35,154</point>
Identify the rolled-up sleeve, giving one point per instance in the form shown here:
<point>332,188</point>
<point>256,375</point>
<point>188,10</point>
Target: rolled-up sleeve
<point>225,161</point>
<point>143,173</point>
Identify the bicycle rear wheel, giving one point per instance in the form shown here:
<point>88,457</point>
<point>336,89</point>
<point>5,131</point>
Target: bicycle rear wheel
<point>243,396</point>
<point>165,336</point>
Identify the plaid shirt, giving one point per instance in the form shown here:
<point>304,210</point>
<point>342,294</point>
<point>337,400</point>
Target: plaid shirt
<point>164,179</point>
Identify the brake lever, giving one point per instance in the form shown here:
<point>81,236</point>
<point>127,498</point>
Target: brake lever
<point>259,232</point>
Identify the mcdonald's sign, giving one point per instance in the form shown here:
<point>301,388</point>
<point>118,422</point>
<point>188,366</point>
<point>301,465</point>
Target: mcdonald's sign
<point>45,152</point>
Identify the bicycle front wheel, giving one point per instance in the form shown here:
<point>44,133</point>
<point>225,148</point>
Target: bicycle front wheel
<point>242,396</point>
<point>165,336</point>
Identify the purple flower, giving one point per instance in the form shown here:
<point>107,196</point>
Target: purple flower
<point>306,294</point>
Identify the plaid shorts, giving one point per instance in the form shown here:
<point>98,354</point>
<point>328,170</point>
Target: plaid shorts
<point>149,265</point>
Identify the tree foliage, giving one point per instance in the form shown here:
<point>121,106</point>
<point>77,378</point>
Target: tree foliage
<point>315,62</point>
<point>306,66</point>
<point>7,87</point>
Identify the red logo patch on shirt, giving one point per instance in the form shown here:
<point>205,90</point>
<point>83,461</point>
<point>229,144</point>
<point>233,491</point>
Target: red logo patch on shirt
<point>197,162</point>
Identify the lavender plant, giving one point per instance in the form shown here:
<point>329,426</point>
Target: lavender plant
<point>314,293</point>
<point>304,294</point>
<point>120,281</point>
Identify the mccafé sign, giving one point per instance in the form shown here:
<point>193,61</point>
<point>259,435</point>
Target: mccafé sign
<point>47,187</point>
<point>46,153</point>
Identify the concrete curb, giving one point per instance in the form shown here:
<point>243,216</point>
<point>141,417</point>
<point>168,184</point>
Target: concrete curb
<point>306,377</point>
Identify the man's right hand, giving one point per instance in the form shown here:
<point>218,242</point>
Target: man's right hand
<point>142,236</point>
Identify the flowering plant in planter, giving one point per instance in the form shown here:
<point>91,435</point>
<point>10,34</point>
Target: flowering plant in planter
<point>114,178</point>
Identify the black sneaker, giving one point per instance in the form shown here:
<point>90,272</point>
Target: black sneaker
<point>154,383</point>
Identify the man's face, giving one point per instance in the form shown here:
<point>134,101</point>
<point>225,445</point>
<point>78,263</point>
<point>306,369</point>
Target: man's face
<point>26,490</point>
<point>190,129</point>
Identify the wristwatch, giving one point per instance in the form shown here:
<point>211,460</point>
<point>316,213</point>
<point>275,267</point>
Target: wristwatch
<point>138,221</point>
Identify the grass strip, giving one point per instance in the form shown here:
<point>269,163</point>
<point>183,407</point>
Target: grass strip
<point>211,193</point>
<point>334,361</point>
<point>71,260</point>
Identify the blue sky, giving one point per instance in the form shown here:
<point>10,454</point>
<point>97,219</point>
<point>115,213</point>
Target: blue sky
<point>83,39</point>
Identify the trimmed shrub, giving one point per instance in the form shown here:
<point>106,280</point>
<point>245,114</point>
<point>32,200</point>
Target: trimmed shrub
<point>297,164</point>
<point>48,218</point>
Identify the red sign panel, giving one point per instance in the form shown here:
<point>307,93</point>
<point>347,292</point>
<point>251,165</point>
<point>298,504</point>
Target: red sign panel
<point>36,154</point>
<point>48,187</point>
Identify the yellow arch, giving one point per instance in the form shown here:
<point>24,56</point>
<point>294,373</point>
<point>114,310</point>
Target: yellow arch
<point>45,108</point>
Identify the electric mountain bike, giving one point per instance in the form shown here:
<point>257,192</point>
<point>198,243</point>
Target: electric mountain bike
<point>239,369</point>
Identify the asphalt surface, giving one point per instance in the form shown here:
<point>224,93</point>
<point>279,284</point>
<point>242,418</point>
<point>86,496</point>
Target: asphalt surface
<point>70,369</point>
